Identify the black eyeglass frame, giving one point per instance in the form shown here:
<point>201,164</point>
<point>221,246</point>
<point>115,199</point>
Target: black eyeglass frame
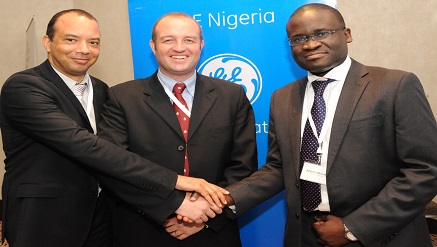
<point>302,39</point>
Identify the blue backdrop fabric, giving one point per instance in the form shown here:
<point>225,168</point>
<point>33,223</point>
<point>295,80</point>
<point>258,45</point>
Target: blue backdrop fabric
<point>245,43</point>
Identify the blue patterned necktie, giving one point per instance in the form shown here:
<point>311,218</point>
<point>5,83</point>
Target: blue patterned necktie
<point>311,197</point>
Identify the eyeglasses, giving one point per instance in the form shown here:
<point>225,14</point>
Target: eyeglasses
<point>300,40</point>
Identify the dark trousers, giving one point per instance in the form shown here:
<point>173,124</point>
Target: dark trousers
<point>309,237</point>
<point>100,234</point>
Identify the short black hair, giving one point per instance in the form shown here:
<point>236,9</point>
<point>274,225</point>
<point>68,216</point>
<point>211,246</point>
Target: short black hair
<point>50,32</point>
<point>319,6</point>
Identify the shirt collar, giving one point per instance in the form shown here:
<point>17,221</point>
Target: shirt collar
<point>190,83</point>
<point>70,82</point>
<point>338,73</point>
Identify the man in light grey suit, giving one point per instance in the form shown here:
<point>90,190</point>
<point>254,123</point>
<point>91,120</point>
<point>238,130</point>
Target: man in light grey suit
<point>377,146</point>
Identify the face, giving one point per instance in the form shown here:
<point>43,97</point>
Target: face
<point>318,57</point>
<point>177,47</point>
<point>75,46</point>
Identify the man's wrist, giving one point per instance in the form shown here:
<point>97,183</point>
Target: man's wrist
<point>229,200</point>
<point>349,235</point>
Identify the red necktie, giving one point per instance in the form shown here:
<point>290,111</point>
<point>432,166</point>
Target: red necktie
<point>184,120</point>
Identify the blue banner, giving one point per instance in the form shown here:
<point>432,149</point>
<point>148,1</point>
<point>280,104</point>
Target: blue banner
<point>245,43</point>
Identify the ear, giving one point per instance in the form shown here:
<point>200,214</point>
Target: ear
<point>152,46</point>
<point>202,43</point>
<point>348,35</point>
<point>46,43</point>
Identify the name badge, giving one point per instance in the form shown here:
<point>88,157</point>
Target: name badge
<point>313,173</point>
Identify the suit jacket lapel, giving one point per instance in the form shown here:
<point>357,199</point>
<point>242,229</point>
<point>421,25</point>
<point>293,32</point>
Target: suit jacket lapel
<point>297,99</point>
<point>158,100</point>
<point>203,100</point>
<point>48,73</point>
<point>98,100</point>
<point>353,88</point>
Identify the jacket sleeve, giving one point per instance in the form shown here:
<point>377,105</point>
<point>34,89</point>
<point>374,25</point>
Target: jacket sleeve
<point>38,109</point>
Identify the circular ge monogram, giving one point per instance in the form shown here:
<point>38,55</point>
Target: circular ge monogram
<point>236,69</point>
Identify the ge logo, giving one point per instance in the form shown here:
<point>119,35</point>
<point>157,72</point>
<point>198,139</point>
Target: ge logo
<point>236,69</point>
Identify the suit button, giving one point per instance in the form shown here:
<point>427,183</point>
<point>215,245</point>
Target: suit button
<point>141,212</point>
<point>297,185</point>
<point>297,216</point>
<point>181,148</point>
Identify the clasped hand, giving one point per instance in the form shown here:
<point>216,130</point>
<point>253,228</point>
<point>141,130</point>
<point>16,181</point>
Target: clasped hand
<point>204,202</point>
<point>196,209</point>
<point>180,229</point>
<point>191,215</point>
<point>214,194</point>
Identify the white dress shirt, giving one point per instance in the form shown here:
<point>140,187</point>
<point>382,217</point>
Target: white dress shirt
<point>86,97</point>
<point>331,96</point>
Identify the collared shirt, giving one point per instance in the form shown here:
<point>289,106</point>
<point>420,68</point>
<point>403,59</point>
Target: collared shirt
<point>331,96</point>
<point>188,93</point>
<point>87,96</point>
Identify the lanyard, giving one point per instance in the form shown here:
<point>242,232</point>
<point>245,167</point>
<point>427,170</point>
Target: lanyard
<point>320,137</point>
<point>174,99</point>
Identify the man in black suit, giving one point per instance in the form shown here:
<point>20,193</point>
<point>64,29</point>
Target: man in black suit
<point>49,117</point>
<point>219,142</point>
<point>374,163</point>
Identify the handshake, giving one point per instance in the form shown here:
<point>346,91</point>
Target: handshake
<point>205,201</point>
